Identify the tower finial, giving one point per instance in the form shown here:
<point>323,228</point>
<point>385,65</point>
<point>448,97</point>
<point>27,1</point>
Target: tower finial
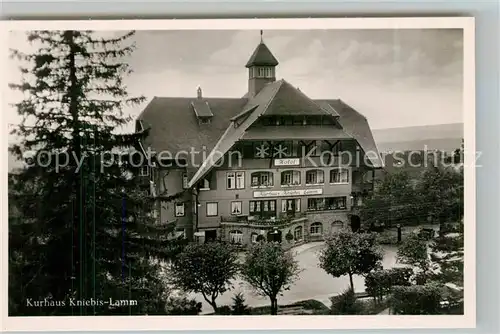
<point>261,38</point>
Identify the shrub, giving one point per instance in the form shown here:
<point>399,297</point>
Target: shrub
<point>416,299</point>
<point>371,307</point>
<point>239,307</point>
<point>182,306</point>
<point>379,283</point>
<point>260,238</point>
<point>223,310</point>
<point>346,303</point>
<point>313,305</point>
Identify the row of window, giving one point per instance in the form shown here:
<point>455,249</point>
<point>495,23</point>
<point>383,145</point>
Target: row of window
<point>261,72</point>
<point>236,180</point>
<point>267,208</point>
<point>296,120</point>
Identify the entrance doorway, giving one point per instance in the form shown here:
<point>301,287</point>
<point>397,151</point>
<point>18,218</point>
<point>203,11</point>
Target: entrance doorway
<point>210,235</point>
<point>355,223</point>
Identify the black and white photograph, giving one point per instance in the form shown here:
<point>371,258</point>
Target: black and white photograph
<point>250,168</point>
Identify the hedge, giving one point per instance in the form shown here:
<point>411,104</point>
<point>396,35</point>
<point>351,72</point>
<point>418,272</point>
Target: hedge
<point>416,299</point>
<point>379,283</point>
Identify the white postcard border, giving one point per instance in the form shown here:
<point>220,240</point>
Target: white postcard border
<point>105,323</point>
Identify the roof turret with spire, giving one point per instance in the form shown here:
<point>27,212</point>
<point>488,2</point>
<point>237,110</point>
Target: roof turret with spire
<point>262,56</point>
<point>261,68</point>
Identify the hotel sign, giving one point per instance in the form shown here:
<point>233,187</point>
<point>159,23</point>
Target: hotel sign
<point>287,193</point>
<point>287,162</point>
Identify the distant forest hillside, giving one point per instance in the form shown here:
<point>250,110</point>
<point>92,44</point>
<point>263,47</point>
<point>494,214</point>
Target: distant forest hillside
<point>446,137</point>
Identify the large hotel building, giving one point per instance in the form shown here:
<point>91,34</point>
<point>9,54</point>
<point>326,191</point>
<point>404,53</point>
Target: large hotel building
<point>273,163</point>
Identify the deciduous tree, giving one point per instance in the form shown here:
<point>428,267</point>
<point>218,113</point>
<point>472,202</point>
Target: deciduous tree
<point>441,194</point>
<point>205,268</point>
<point>270,271</point>
<point>393,202</point>
<point>350,253</point>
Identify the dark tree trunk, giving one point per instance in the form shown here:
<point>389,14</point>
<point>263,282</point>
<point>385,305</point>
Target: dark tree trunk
<point>78,223</point>
<point>214,304</point>
<point>211,302</point>
<point>351,281</point>
<point>274,306</point>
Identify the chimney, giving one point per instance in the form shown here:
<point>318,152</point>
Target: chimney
<point>198,92</point>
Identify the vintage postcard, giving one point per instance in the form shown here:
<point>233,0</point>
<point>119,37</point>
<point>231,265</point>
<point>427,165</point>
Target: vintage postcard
<point>238,174</point>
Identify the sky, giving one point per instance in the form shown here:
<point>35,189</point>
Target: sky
<point>396,78</point>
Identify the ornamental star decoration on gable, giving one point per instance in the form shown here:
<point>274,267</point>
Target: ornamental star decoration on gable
<point>263,151</point>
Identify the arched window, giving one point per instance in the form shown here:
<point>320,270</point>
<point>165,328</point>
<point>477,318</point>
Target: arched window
<point>297,233</point>
<point>236,236</point>
<point>315,176</point>
<point>337,226</point>
<point>316,228</point>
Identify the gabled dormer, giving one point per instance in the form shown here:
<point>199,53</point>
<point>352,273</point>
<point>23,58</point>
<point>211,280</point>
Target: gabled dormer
<point>261,68</point>
<point>201,108</point>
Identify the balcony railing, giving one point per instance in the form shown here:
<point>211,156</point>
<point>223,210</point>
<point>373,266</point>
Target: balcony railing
<point>234,219</point>
<point>283,218</point>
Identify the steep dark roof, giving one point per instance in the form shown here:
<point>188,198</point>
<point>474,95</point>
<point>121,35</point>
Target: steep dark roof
<point>299,132</point>
<point>288,100</point>
<point>356,125</point>
<point>262,56</point>
<point>175,127</point>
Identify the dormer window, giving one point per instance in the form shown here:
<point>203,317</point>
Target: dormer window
<point>201,108</point>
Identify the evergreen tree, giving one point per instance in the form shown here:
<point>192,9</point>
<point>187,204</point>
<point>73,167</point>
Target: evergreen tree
<point>447,255</point>
<point>447,250</point>
<point>85,229</point>
<point>239,306</point>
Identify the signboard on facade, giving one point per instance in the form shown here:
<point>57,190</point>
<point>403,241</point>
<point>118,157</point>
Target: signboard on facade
<point>287,162</point>
<point>199,234</point>
<point>287,193</point>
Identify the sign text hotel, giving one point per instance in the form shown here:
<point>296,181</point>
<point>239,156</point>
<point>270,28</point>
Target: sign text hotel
<point>285,193</point>
<point>287,162</point>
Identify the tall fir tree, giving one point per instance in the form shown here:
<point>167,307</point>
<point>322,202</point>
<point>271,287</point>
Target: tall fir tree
<point>447,250</point>
<point>83,230</point>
